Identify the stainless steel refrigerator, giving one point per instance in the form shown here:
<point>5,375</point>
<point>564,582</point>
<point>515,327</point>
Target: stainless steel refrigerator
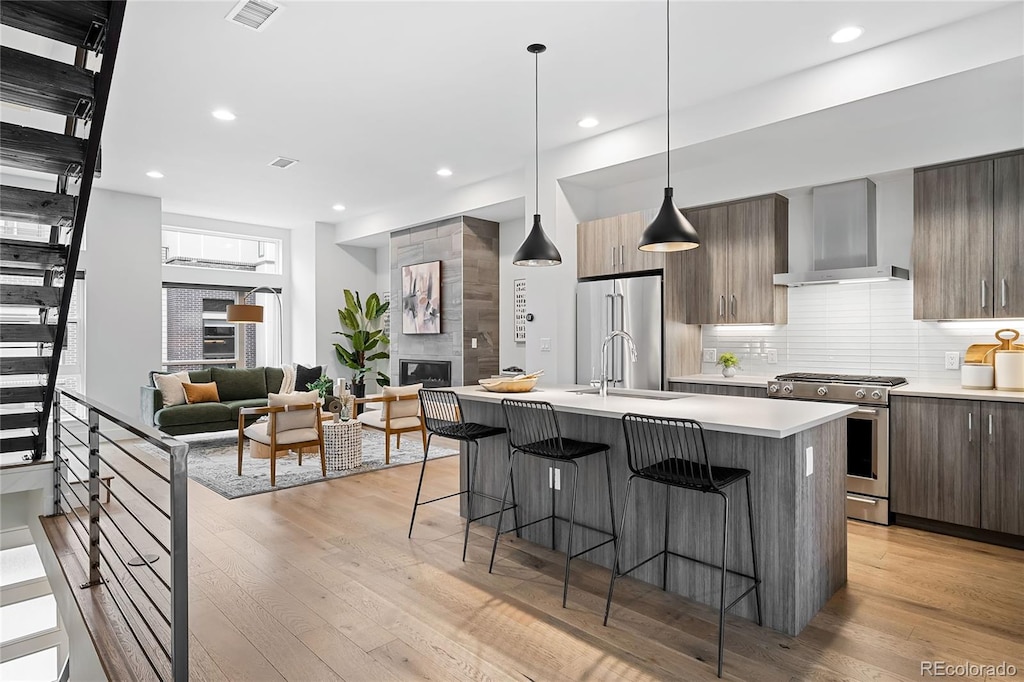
<point>630,304</point>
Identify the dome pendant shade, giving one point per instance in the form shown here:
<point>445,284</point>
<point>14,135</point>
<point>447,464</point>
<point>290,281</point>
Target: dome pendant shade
<point>240,312</point>
<point>670,230</point>
<point>537,249</point>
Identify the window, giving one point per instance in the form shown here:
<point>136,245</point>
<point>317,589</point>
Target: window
<point>195,249</point>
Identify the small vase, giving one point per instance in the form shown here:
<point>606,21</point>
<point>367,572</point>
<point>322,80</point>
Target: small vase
<point>728,371</point>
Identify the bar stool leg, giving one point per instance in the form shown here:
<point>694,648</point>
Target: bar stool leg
<point>721,601</point>
<point>664,558</point>
<point>611,498</point>
<point>553,508</point>
<point>416,503</point>
<point>618,548</point>
<point>501,510</point>
<point>515,507</point>
<point>753,554</point>
<point>568,542</point>
<point>473,466</point>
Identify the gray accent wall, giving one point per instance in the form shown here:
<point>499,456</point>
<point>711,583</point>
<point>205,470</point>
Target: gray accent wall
<point>468,250</point>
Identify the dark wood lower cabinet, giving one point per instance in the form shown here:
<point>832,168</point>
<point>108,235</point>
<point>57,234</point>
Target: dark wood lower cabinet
<point>958,461</point>
<point>719,389</point>
<point>1002,467</point>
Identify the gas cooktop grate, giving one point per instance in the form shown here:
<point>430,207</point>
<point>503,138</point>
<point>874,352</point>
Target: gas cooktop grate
<point>842,379</point>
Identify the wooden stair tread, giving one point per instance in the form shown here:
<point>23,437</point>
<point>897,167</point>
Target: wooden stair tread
<point>21,394</point>
<point>68,21</point>
<point>20,420</point>
<point>29,254</point>
<point>30,295</point>
<point>28,364</point>
<point>19,444</point>
<point>40,150</point>
<point>34,206</point>
<point>27,333</point>
<point>45,84</point>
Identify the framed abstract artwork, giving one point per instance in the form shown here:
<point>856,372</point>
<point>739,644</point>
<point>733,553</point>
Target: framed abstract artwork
<point>421,298</point>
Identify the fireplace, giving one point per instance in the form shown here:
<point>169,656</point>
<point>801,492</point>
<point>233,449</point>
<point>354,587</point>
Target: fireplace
<point>430,373</point>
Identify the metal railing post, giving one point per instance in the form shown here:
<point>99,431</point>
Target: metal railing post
<point>179,562</point>
<point>56,454</point>
<point>94,500</point>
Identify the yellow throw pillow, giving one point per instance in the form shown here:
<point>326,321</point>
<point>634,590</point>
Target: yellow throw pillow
<point>201,393</point>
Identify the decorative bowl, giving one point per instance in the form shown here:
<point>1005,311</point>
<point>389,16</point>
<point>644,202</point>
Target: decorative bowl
<point>509,385</point>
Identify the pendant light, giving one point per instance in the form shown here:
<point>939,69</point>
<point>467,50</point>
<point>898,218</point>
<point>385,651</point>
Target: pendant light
<point>670,231</point>
<point>537,250</point>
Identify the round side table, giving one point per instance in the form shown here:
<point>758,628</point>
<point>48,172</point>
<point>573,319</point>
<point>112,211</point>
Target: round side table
<point>343,444</point>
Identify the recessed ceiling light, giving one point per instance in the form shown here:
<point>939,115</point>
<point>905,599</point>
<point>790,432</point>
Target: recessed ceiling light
<point>444,172</point>
<point>338,207</point>
<point>154,174</point>
<point>223,115</point>
<point>846,34</point>
<point>588,122</point>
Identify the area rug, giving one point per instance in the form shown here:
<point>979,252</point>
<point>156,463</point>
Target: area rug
<point>213,462</point>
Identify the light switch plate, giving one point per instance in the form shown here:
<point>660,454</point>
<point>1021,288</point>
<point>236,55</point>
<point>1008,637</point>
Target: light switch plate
<point>772,356</point>
<point>809,452</point>
<point>472,342</point>
<point>953,360</point>
<point>710,354</point>
<point>545,345</point>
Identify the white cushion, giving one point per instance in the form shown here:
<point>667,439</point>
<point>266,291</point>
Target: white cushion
<point>301,419</point>
<point>260,432</point>
<point>374,420</point>
<point>170,388</point>
<point>402,408</point>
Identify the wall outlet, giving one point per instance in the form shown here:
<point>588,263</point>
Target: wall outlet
<point>771,356</point>
<point>953,360</point>
<point>554,478</point>
<point>809,453</point>
<point>472,342</point>
<point>710,355</point>
<point>558,478</point>
<point>545,345</point>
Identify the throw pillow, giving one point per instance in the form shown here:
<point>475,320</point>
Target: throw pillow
<point>306,375</point>
<point>240,384</point>
<point>302,419</point>
<point>201,393</point>
<point>403,408</point>
<point>170,388</point>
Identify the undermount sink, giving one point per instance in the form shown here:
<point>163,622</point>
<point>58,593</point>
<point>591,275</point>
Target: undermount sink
<point>619,393</point>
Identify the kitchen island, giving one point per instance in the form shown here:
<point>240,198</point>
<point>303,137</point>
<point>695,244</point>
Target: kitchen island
<point>794,451</point>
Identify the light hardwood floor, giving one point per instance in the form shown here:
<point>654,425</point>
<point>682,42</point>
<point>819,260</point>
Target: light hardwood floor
<point>320,583</point>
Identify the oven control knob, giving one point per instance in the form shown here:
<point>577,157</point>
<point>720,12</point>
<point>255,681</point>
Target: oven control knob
<point>788,388</point>
<point>774,388</point>
<point>822,391</point>
<point>860,393</point>
<point>876,395</point>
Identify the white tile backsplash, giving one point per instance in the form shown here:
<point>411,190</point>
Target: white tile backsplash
<point>864,328</point>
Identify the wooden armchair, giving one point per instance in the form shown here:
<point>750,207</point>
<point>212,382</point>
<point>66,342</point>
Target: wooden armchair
<point>400,414</point>
<point>287,428</point>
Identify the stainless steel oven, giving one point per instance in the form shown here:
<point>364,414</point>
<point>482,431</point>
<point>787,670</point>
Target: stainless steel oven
<point>867,433</point>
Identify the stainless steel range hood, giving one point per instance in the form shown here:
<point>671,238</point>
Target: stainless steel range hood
<point>845,238</point>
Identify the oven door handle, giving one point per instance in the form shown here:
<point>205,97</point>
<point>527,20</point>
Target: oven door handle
<point>858,498</point>
<point>865,410</point>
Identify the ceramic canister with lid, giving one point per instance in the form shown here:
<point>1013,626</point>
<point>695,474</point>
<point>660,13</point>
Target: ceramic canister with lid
<point>1009,370</point>
<point>977,375</point>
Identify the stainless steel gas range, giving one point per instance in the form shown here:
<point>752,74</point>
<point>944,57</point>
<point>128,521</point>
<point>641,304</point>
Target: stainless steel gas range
<point>867,440</point>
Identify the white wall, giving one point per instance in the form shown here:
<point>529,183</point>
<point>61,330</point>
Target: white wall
<point>122,297</point>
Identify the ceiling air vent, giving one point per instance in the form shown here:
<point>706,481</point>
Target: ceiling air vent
<point>282,162</point>
<point>253,14</point>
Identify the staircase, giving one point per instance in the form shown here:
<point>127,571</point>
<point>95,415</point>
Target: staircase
<point>38,275</point>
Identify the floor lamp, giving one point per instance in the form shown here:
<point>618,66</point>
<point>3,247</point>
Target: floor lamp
<point>243,313</point>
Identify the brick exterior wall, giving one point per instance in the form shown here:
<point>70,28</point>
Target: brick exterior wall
<point>185,325</point>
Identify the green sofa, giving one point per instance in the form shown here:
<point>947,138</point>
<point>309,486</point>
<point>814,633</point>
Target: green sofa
<point>237,388</point>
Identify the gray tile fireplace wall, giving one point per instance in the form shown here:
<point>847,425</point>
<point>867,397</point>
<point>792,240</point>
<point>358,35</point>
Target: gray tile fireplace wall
<point>468,250</point>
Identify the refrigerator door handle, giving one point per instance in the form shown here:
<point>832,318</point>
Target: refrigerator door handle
<point>607,371</point>
<point>619,376</point>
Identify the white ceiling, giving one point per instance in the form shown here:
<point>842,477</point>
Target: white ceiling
<point>373,97</point>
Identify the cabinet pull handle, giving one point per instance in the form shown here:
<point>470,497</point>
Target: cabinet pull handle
<point>622,254</point>
<point>984,293</point>
<point>970,427</point>
<point>734,305</point>
<point>1002,291</point>
<point>721,305</point>
<point>613,258</point>
<point>990,426</point>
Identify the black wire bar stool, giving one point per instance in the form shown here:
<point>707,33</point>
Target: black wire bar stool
<point>533,430</point>
<point>673,452</point>
<point>442,415</point>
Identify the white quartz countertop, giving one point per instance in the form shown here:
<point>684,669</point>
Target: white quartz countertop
<point>750,416</point>
<point>738,380</point>
<point>924,390</point>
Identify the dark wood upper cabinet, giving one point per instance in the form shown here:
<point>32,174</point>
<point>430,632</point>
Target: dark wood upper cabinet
<point>1002,467</point>
<point>704,271</point>
<point>1008,236</point>
<point>968,247</point>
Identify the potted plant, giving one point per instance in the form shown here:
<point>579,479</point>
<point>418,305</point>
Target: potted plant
<point>366,338</point>
<point>730,363</point>
<point>323,386</point>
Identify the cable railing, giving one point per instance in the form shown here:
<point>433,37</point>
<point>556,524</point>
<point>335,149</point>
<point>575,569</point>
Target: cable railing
<point>136,541</point>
